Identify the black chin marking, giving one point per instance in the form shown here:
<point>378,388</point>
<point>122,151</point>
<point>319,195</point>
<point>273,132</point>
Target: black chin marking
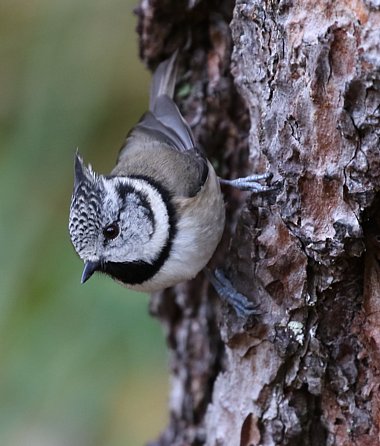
<point>136,273</point>
<point>130,273</point>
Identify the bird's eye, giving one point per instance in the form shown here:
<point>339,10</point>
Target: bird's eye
<point>111,231</point>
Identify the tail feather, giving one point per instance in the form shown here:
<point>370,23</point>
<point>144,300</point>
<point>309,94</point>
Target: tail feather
<point>163,116</point>
<point>164,80</point>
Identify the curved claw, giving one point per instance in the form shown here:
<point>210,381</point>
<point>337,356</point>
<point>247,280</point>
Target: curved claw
<point>251,183</point>
<point>242,306</point>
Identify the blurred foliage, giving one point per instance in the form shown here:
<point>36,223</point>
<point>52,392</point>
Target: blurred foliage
<point>79,365</point>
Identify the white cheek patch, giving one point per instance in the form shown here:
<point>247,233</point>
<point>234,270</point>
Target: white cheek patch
<point>149,250</point>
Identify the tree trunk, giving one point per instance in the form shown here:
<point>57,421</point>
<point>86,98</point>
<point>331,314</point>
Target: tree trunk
<point>307,108</point>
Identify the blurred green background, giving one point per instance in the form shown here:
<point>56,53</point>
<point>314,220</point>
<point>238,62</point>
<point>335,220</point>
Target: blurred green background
<point>79,365</point>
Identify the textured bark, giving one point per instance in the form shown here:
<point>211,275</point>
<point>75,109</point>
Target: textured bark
<point>307,370</point>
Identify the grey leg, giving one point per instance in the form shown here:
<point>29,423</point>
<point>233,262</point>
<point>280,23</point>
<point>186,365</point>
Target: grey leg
<point>250,183</point>
<point>242,306</point>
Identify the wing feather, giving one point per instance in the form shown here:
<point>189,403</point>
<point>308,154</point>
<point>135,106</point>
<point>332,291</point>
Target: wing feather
<point>163,126</point>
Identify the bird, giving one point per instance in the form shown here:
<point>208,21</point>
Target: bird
<point>158,217</point>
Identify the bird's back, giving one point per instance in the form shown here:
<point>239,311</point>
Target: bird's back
<point>180,173</point>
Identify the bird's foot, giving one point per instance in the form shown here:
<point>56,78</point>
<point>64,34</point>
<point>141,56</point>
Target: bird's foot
<point>251,183</point>
<point>242,306</point>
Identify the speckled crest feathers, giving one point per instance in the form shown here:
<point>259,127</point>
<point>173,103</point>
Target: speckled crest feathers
<point>85,208</point>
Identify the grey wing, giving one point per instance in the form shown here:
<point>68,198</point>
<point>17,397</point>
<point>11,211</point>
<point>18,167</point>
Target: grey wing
<point>155,153</point>
<point>162,145</point>
<point>166,121</point>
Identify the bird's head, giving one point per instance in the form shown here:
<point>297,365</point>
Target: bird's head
<point>114,222</point>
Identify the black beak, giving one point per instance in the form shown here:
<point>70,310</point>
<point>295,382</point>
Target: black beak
<point>89,269</point>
